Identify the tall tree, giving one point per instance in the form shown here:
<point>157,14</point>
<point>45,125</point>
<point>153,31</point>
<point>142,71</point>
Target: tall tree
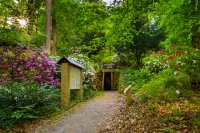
<point>180,19</point>
<point>132,30</point>
<point>48,26</point>
<point>54,28</point>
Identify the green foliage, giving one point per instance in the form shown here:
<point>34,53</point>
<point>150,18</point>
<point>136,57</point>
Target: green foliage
<point>12,13</point>
<point>38,40</point>
<point>137,78</point>
<point>189,63</point>
<point>184,59</point>
<point>120,83</point>
<point>20,102</point>
<point>9,36</point>
<point>196,119</point>
<point>180,20</point>
<point>166,85</point>
<point>81,26</point>
<point>133,32</point>
<point>89,93</point>
<point>155,64</point>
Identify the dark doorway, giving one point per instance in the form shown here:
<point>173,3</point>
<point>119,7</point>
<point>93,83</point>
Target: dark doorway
<point>107,81</point>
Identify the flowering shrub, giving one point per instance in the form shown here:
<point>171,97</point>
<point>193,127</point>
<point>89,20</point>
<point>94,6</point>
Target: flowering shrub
<point>184,59</point>
<point>156,64</point>
<point>189,63</point>
<point>173,57</point>
<point>30,65</point>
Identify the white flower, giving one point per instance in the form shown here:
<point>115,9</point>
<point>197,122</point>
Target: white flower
<point>175,73</point>
<point>178,92</point>
<point>177,62</point>
<point>194,61</point>
<point>182,64</point>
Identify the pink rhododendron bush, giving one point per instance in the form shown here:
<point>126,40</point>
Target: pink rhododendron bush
<point>27,65</point>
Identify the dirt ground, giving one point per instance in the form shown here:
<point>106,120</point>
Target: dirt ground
<point>86,118</point>
<point>153,118</point>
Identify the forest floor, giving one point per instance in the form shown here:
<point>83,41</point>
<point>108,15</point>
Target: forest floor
<point>84,118</point>
<point>180,116</point>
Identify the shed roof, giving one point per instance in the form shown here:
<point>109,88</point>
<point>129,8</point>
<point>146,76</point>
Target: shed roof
<point>72,62</point>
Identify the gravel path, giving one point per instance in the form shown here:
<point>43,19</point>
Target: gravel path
<point>88,117</point>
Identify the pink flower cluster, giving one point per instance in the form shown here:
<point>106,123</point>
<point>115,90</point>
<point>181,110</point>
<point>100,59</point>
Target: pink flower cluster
<point>29,65</point>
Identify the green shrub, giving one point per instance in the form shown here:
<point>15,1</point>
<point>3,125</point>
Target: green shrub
<point>88,92</point>
<point>166,85</point>
<point>137,78</point>
<point>19,102</point>
<point>189,63</point>
<point>156,63</point>
<point>185,59</point>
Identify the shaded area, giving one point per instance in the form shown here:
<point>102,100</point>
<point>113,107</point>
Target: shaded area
<point>107,81</point>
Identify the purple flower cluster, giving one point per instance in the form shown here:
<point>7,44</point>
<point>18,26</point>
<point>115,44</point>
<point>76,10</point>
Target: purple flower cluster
<point>30,65</point>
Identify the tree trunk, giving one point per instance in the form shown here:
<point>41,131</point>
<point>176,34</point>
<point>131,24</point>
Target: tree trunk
<point>48,26</point>
<point>54,48</point>
<point>31,18</point>
<point>196,36</point>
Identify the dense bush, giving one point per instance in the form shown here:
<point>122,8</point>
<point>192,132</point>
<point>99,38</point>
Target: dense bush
<point>185,59</point>
<point>167,74</point>
<point>166,85</point>
<point>155,64</point>
<point>19,102</point>
<point>189,63</point>
<point>137,78</point>
<point>27,65</point>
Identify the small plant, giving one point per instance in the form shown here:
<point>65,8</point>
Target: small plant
<point>196,119</point>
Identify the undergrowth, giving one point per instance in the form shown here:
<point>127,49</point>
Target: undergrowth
<point>166,85</point>
<point>169,85</point>
<point>20,102</point>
